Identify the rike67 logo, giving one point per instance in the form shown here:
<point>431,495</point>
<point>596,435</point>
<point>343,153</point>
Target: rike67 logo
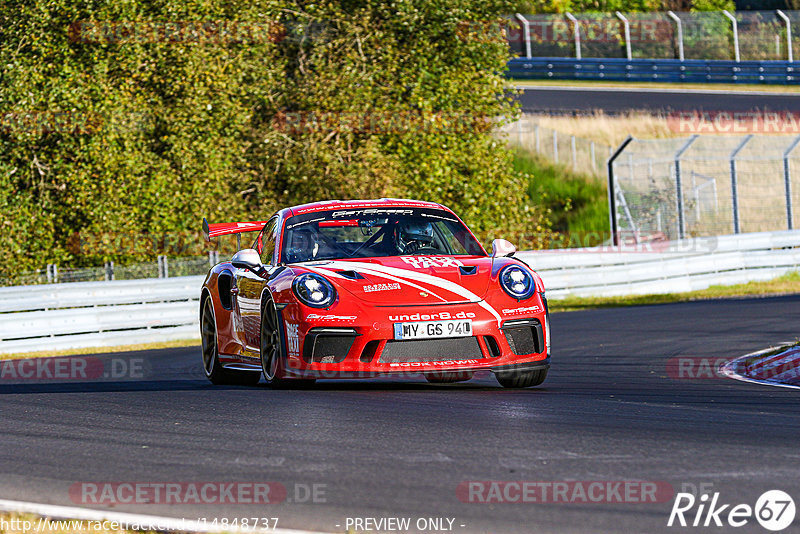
<point>774,510</point>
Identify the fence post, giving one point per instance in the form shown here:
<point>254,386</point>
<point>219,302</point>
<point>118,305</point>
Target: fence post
<point>679,26</point>
<point>735,27</point>
<point>591,152</point>
<point>163,267</point>
<point>612,201</point>
<point>576,32</point>
<point>679,186</point>
<point>109,270</point>
<point>787,177</point>
<point>786,20</point>
<point>627,27</point>
<point>213,257</point>
<point>555,145</point>
<point>526,33</point>
<point>574,153</point>
<point>734,192</point>
<point>536,137</point>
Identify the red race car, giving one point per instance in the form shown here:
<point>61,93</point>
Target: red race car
<point>353,289</point>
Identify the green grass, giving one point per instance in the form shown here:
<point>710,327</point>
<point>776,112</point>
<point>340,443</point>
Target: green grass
<point>577,205</point>
<point>783,285</point>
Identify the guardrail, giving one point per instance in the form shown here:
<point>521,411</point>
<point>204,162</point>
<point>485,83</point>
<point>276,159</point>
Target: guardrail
<point>97,314</point>
<point>656,70</point>
<point>667,267</point>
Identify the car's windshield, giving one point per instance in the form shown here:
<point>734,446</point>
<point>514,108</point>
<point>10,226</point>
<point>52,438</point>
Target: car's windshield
<point>374,232</point>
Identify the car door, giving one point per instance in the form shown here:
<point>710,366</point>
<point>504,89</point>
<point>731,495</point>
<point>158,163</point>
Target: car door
<point>250,286</point>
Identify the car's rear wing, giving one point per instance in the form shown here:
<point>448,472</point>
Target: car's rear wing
<point>218,229</point>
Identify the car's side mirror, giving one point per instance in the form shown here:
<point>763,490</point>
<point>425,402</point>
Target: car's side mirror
<point>501,247</point>
<point>247,258</point>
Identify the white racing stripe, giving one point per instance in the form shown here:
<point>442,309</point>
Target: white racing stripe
<point>404,275</point>
<point>334,274</point>
<point>164,523</point>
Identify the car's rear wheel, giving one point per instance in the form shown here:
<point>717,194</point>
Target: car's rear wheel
<point>214,371</point>
<point>521,379</point>
<point>444,377</point>
<point>272,357</point>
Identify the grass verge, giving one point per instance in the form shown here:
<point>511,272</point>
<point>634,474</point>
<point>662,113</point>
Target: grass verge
<point>783,285</point>
<point>103,350</point>
<point>576,204</point>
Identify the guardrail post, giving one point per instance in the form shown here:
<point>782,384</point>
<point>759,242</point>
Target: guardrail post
<point>627,28</point>
<point>526,33</point>
<point>576,32</point>
<point>679,25</point>
<point>555,145</point>
<point>679,186</point>
<point>787,177</point>
<point>163,267</point>
<point>52,273</point>
<point>213,257</point>
<point>735,27</point>
<point>109,266</point>
<point>612,201</point>
<point>734,191</point>
<point>574,149</point>
<point>788,23</point>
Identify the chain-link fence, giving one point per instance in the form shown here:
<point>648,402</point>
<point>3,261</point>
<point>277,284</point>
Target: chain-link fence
<point>581,155</point>
<point>668,189</point>
<point>710,35</point>
<point>164,267</point>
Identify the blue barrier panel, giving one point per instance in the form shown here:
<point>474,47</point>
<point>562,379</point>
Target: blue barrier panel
<point>655,70</point>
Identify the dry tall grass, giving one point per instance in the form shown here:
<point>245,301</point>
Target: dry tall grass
<point>608,129</point>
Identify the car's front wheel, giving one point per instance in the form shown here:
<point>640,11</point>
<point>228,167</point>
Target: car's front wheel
<point>214,371</point>
<point>272,357</point>
<point>521,379</point>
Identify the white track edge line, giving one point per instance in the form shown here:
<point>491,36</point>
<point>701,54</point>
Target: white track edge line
<point>167,523</point>
<point>730,373</point>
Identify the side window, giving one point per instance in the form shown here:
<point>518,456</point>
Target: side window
<point>266,242</point>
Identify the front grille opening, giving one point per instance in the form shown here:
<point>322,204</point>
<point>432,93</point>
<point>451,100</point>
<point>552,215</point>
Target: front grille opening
<point>525,338</point>
<point>369,351</point>
<point>431,350</point>
<point>492,346</point>
<point>328,345</point>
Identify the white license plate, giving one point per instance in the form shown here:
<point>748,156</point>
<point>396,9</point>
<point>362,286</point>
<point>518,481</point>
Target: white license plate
<point>433,329</point>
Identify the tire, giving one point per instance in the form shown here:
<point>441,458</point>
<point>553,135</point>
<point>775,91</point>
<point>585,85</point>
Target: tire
<point>212,367</point>
<point>271,350</point>
<point>521,379</point>
<point>448,377</point>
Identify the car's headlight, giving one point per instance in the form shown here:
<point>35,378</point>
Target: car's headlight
<point>517,282</point>
<point>314,290</point>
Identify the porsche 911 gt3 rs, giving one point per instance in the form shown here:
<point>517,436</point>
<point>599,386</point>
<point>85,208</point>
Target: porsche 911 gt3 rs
<point>352,289</point>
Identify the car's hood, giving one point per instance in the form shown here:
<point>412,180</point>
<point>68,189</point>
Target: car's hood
<point>410,280</point>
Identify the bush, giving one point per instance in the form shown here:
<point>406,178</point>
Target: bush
<point>106,132</point>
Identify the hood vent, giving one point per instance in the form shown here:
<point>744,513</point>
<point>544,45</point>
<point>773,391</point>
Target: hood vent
<point>352,275</point>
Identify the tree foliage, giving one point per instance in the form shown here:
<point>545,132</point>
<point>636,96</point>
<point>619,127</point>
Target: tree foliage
<point>143,117</point>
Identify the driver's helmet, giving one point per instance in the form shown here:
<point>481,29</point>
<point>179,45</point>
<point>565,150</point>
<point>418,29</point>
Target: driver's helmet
<point>412,235</point>
<point>301,247</point>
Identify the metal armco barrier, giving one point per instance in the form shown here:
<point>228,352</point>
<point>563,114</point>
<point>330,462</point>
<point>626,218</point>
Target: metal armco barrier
<point>99,314</point>
<point>655,70</point>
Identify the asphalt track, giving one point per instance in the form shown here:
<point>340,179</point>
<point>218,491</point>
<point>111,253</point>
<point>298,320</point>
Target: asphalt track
<point>393,448</point>
<point>571,100</point>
